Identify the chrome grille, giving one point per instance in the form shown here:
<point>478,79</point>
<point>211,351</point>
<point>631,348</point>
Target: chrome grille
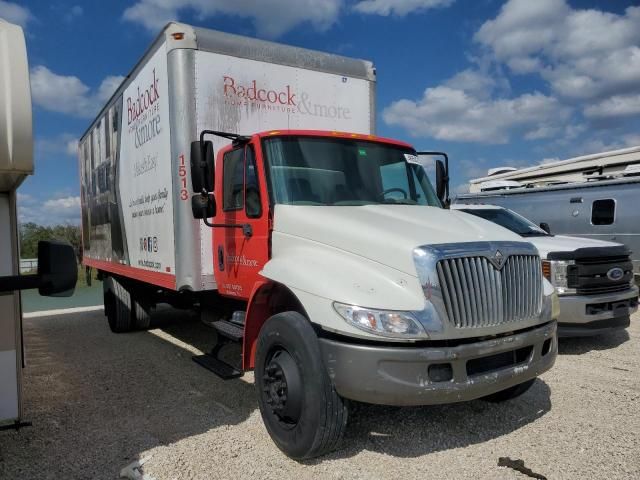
<point>476,294</point>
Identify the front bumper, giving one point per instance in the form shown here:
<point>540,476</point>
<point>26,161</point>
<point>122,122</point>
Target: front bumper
<point>578,311</point>
<point>411,375</point>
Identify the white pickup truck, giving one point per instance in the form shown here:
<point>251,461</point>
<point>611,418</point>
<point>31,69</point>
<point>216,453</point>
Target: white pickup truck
<point>593,278</point>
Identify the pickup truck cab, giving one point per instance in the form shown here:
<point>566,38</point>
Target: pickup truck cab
<point>593,278</point>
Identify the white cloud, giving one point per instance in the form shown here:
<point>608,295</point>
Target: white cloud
<point>66,203</point>
<point>271,18</point>
<point>65,143</point>
<point>68,94</point>
<point>14,13</point>
<point>448,113</point>
<point>615,106</point>
<point>398,7</point>
<point>54,211</point>
<point>582,54</point>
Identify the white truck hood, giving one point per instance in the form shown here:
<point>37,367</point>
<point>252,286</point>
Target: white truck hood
<point>563,243</point>
<point>386,234</point>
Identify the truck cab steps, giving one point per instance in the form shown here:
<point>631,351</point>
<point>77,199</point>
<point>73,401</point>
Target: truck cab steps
<point>229,333</point>
<point>221,368</point>
<point>229,330</point>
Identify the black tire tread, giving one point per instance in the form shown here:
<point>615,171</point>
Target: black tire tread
<point>120,315</point>
<point>333,418</point>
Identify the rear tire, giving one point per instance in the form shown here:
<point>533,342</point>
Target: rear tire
<point>509,393</point>
<point>303,413</point>
<point>117,305</point>
<point>141,315</point>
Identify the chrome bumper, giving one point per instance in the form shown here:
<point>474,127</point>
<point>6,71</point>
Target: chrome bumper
<point>580,309</point>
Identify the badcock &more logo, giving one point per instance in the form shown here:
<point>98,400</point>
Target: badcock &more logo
<point>283,99</point>
<point>143,113</point>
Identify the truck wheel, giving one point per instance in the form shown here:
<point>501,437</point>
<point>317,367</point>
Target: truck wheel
<point>141,315</point>
<point>509,393</point>
<point>117,305</point>
<point>302,411</point>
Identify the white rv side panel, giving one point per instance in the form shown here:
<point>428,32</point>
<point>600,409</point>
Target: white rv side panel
<point>245,96</point>
<point>10,320</point>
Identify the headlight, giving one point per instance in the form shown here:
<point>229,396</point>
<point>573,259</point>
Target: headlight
<point>557,272</point>
<point>388,323</point>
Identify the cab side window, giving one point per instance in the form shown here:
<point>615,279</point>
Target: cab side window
<point>603,212</point>
<point>233,181</point>
<point>253,207</point>
<point>241,188</point>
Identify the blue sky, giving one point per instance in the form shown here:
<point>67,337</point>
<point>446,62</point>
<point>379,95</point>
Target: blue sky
<point>491,82</point>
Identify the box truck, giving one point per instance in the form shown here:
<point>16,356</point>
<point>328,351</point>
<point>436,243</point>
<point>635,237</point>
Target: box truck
<point>57,268</point>
<point>221,176</point>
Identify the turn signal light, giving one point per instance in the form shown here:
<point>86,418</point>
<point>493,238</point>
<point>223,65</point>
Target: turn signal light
<point>546,270</point>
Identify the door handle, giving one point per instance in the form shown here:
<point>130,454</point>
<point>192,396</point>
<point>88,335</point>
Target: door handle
<point>220,258</point>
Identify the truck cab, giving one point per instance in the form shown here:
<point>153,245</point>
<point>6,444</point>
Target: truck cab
<point>359,286</point>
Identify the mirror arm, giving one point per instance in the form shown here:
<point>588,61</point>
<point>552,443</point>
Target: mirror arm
<point>19,282</point>
<point>247,230</point>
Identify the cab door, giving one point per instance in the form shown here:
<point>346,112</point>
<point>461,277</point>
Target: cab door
<point>242,202</point>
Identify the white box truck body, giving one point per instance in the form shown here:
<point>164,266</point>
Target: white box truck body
<point>134,158</point>
<point>306,238</point>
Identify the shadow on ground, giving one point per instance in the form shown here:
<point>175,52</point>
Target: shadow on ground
<point>582,345</point>
<point>409,432</point>
<point>98,400</point>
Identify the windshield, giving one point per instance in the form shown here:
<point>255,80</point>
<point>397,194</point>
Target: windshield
<point>510,220</point>
<point>337,171</point>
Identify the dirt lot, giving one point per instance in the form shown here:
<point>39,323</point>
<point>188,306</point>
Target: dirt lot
<point>100,401</point>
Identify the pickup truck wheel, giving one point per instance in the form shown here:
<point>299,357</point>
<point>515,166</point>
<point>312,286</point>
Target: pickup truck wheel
<point>302,411</point>
<point>510,393</point>
<point>117,305</point>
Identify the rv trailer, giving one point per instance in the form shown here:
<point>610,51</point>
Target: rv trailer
<point>588,196</point>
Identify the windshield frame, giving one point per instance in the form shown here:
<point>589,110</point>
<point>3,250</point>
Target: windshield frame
<point>419,187</point>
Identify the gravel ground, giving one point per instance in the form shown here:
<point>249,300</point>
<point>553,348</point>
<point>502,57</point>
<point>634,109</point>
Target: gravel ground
<point>100,401</point>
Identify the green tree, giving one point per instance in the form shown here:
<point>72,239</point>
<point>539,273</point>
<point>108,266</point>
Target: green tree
<point>31,233</point>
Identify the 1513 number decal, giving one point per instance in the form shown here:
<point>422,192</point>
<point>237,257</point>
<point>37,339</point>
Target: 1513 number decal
<point>182,173</point>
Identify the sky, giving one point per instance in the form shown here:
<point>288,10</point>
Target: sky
<point>491,82</point>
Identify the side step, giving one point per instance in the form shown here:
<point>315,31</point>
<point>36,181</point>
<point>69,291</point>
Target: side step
<point>217,366</point>
<point>229,330</point>
<point>228,333</point>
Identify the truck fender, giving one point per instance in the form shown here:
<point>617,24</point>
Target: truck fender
<point>267,299</point>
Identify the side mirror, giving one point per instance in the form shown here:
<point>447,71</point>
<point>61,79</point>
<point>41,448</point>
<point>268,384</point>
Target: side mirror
<point>203,206</point>
<point>202,166</point>
<point>545,226</point>
<point>57,269</point>
<point>442,182</point>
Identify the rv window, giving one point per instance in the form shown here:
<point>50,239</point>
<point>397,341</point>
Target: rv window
<point>233,180</point>
<point>603,212</point>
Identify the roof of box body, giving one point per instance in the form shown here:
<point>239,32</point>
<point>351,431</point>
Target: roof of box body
<point>208,40</point>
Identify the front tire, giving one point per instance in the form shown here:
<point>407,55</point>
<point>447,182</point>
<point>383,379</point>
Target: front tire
<point>303,413</point>
<point>510,393</point>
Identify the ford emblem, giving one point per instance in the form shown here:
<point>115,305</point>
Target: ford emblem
<point>615,274</point>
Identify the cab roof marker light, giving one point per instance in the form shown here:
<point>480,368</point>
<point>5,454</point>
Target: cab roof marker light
<point>178,35</point>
